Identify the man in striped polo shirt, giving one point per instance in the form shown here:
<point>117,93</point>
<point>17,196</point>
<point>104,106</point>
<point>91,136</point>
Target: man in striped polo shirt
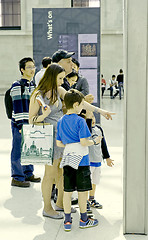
<point>21,175</point>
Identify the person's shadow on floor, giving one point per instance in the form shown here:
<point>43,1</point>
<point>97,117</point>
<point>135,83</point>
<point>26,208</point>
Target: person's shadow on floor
<point>25,204</point>
<point>105,230</point>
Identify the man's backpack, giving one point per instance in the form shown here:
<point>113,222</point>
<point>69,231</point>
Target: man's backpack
<point>8,99</point>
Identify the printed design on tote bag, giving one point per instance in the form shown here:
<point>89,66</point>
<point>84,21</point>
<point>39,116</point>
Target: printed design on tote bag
<point>37,145</point>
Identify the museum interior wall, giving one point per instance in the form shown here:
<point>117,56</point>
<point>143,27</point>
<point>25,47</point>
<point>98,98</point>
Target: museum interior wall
<point>16,44</point>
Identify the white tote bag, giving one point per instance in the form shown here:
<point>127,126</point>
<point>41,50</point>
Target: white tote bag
<point>37,144</point>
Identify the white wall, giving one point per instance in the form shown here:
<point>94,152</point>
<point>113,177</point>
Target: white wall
<point>136,118</point>
<point>16,44</point>
<point>111,37</point>
<point>111,54</point>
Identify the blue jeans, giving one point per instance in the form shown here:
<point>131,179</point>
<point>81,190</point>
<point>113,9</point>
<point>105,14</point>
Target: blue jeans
<point>120,88</point>
<point>111,92</point>
<point>18,172</point>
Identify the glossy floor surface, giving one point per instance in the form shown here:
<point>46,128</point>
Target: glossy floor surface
<point>21,209</point>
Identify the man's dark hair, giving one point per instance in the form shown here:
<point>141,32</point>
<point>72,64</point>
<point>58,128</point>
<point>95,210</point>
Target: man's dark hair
<point>120,71</point>
<point>71,97</point>
<point>23,61</point>
<point>72,74</point>
<point>76,62</point>
<point>46,61</point>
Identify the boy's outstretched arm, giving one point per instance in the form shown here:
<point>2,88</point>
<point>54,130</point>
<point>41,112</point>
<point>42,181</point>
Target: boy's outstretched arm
<point>86,142</point>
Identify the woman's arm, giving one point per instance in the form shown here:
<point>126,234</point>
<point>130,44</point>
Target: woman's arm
<point>61,92</point>
<point>34,109</point>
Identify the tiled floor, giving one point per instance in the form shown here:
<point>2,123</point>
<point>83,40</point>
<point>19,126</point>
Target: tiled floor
<point>21,209</point>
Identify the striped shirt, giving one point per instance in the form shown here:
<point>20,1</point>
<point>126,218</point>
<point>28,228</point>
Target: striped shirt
<point>20,113</point>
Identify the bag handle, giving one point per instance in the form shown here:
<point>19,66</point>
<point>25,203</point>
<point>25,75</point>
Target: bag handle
<point>41,124</point>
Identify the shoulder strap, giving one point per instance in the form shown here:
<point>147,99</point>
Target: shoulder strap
<point>34,84</point>
<point>22,86</point>
<point>21,82</point>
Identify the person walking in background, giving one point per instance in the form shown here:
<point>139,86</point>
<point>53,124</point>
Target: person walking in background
<point>82,83</point>
<point>46,61</point>
<point>120,80</point>
<point>21,175</point>
<point>103,85</point>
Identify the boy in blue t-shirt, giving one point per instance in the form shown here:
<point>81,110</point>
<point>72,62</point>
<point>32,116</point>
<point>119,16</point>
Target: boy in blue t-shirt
<point>73,134</point>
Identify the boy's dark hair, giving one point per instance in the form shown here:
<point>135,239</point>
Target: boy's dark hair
<point>46,61</point>
<point>71,97</point>
<point>23,61</point>
<point>113,76</point>
<point>72,74</point>
<point>76,62</point>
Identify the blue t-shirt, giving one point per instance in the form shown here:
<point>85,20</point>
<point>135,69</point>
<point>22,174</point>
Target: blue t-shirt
<point>70,129</point>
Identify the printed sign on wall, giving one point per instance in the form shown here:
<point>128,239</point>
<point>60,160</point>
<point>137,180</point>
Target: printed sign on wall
<point>71,29</point>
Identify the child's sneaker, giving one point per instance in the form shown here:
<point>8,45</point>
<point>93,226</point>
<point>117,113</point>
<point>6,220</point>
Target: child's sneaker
<point>90,215</point>
<point>89,211</point>
<point>67,226</point>
<point>89,223</point>
<point>95,204</point>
